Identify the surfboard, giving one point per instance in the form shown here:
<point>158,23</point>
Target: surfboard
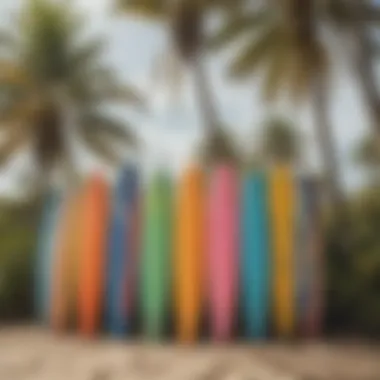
<point>255,255</point>
<point>119,255</point>
<point>156,256</point>
<point>134,245</point>
<point>189,254</point>
<point>310,259</point>
<point>71,279</point>
<point>283,222</point>
<point>223,251</point>
<point>66,268</point>
<point>92,255</point>
<point>58,299</point>
<point>45,256</point>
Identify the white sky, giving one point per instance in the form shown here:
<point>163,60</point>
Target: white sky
<point>171,130</point>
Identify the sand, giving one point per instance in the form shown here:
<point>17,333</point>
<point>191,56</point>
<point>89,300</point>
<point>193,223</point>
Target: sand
<point>30,353</point>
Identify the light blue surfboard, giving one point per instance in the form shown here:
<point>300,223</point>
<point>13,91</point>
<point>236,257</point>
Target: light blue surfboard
<point>124,195</point>
<point>255,255</point>
<point>44,265</point>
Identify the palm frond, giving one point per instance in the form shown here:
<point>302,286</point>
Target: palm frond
<point>102,85</point>
<point>367,153</point>
<point>219,147</point>
<point>98,123</point>
<point>146,8</point>
<point>256,52</point>
<point>12,75</point>
<point>280,140</point>
<point>8,42</point>
<point>100,147</point>
<point>83,56</point>
<point>11,141</point>
<point>277,70</point>
<point>238,26</point>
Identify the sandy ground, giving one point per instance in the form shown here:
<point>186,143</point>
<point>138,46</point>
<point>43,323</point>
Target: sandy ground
<point>33,354</point>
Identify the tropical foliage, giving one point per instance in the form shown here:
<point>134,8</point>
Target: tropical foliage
<point>18,236</point>
<point>186,20</point>
<point>50,70</point>
<point>353,285</point>
<point>281,141</point>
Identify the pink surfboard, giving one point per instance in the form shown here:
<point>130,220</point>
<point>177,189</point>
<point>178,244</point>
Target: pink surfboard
<point>223,260</point>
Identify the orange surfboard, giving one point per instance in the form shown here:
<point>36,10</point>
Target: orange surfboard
<point>282,194</point>
<point>73,258</point>
<point>93,250</point>
<point>189,254</point>
<point>66,266</point>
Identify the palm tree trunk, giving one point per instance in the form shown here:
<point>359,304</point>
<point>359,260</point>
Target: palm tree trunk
<point>325,139</point>
<point>206,103</point>
<point>364,65</point>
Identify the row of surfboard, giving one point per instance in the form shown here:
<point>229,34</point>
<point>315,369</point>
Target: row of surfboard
<point>212,255</point>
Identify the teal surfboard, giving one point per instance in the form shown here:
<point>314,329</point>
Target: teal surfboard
<point>44,265</point>
<point>255,262</point>
<point>156,256</point>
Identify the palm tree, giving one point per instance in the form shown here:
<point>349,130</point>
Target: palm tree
<point>283,42</point>
<point>49,72</point>
<point>367,155</point>
<point>186,19</point>
<point>355,19</point>
<point>280,143</point>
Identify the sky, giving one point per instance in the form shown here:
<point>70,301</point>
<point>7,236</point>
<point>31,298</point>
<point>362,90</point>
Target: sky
<point>172,129</point>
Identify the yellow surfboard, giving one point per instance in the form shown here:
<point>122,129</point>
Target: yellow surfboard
<point>282,199</point>
<point>189,254</point>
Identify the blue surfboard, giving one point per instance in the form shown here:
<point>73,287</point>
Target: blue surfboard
<point>44,265</point>
<point>302,264</point>
<point>125,194</point>
<point>255,260</point>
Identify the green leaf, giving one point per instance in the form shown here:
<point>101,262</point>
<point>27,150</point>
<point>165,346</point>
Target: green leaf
<point>276,71</point>
<point>83,56</point>
<point>101,147</point>
<point>101,134</point>
<point>11,141</point>
<point>257,51</point>
<point>145,8</point>
<point>240,25</point>
<point>111,128</point>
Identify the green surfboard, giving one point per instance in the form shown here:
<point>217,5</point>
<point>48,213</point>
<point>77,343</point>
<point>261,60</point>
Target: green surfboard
<point>156,256</point>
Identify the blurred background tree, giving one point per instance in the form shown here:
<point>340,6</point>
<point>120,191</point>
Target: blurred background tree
<point>283,43</point>
<point>281,142</point>
<point>54,87</point>
<point>186,20</point>
<point>367,155</point>
<point>18,236</point>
